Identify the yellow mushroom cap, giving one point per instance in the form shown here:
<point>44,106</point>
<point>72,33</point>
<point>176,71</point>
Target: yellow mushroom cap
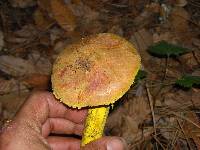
<point>97,70</point>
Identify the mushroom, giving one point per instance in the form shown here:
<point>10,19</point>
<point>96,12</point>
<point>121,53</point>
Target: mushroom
<point>95,72</point>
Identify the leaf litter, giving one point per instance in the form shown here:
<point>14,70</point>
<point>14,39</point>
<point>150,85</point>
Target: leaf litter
<point>154,113</point>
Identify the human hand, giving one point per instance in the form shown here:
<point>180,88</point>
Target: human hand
<point>41,115</point>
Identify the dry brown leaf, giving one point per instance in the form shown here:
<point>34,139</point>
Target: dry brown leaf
<point>42,65</point>
<point>181,100</point>
<point>39,81</point>
<point>1,40</point>
<point>116,29</point>
<point>128,118</point>
<point>45,40</point>
<point>26,34</point>
<point>89,21</point>
<point>94,4</point>
<point>10,86</point>
<point>44,5</point>
<point>77,2</point>
<point>165,36</point>
<point>180,3</point>
<point>15,66</point>
<point>196,42</point>
<point>22,3</point>
<point>180,24</point>
<point>5,86</point>
<point>59,46</point>
<point>84,11</point>
<point>42,20</point>
<point>142,39</point>
<point>191,130</point>
<point>27,31</point>
<point>1,109</point>
<point>179,18</point>
<point>154,7</point>
<point>18,67</point>
<point>63,15</point>
<point>189,60</point>
<point>147,15</point>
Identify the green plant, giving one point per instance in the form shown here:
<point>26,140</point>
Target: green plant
<point>164,49</point>
<point>188,81</point>
<point>140,75</point>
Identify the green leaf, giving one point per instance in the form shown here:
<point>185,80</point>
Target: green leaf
<point>188,81</point>
<point>164,49</point>
<point>140,75</point>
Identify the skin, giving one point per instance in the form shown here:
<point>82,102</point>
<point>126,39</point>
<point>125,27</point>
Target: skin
<point>41,115</point>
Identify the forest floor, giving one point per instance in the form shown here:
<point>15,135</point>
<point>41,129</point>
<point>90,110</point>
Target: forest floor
<point>155,113</point>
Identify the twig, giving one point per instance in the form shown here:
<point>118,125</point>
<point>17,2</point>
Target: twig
<point>152,111</point>
<point>196,58</point>
<point>166,67</point>
<point>188,143</point>
<point>119,5</point>
<point>194,3</point>
<point>182,117</point>
<point>159,142</point>
<point>174,139</point>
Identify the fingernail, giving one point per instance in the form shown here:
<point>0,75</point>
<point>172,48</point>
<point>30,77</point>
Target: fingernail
<point>117,144</point>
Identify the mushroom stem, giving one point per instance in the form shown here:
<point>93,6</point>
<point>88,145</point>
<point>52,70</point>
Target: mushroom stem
<point>94,124</point>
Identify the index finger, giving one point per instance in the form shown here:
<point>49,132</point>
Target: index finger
<point>58,109</point>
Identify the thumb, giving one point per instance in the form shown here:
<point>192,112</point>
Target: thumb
<point>107,143</point>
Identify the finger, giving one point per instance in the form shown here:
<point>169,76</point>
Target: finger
<point>57,109</point>
<point>61,126</point>
<point>63,143</point>
<point>106,143</point>
<point>42,105</point>
<point>75,115</point>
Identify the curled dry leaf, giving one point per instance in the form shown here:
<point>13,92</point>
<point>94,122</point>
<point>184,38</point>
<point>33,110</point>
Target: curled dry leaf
<point>1,109</point>
<point>15,66</point>
<point>36,80</point>
<point>27,34</point>
<point>63,15</point>
<point>44,5</point>
<point>22,3</point>
<point>1,40</point>
<point>18,67</point>
<point>180,3</point>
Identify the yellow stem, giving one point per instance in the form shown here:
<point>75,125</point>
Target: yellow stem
<point>95,123</point>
